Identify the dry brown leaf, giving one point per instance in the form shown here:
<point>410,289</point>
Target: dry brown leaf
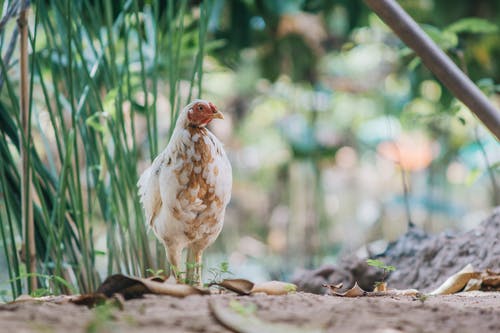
<point>396,292</point>
<point>491,281</point>
<point>246,287</point>
<point>457,282</point>
<point>333,287</point>
<point>239,286</point>
<point>89,300</point>
<point>473,284</point>
<point>131,287</point>
<point>177,290</point>
<point>274,288</point>
<point>355,291</point>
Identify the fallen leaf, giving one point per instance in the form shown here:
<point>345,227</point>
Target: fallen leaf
<point>396,292</point>
<point>239,286</point>
<point>89,300</point>
<point>355,291</point>
<point>491,281</point>
<point>333,287</point>
<point>457,281</point>
<point>131,287</point>
<point>177,290</point>
<point>274,288</point>
<point>249,323</point>
<point>473,284</point>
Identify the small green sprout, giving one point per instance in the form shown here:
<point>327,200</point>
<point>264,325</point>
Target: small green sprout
<point>380,264</point>
<point>290,288</point>
<point>219,273</point>
<point>40,292</point>
<point>155,273</point>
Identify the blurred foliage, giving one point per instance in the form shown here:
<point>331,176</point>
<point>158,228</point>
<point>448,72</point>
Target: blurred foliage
<point>327,83</point>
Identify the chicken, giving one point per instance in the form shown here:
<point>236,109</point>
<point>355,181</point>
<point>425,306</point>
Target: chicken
<point>187,188</point>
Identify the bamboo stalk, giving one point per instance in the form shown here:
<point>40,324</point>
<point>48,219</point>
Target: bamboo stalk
<point>26,182</point>
<point>437,62</point>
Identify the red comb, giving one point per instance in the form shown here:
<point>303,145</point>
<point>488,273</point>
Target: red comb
<point>212,107</point>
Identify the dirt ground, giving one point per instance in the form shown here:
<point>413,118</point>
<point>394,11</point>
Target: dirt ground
<point>466,312</point>
<point>423,261</point>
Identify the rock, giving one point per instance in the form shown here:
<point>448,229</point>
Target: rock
<point>422,261</point>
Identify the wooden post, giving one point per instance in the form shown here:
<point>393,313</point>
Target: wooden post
<point>437,62</point>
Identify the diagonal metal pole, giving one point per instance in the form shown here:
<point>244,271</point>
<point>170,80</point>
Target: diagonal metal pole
<point>437,62</point>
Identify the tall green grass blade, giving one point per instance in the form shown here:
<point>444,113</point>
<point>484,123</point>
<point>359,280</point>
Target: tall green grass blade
<point>96,71</point>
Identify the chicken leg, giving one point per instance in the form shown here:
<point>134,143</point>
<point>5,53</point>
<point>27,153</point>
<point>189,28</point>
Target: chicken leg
<point>174,255</point>
<point>194,265</point>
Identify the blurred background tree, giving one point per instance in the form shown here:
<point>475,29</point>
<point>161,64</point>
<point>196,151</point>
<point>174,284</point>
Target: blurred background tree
<point>337,134</point>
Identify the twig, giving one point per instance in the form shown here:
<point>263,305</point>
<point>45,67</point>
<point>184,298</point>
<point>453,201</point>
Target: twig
<point>26,186</point>
<point>438,62</point>
<point>406,194</point>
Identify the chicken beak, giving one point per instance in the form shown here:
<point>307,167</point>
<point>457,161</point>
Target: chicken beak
<point>218,115</point>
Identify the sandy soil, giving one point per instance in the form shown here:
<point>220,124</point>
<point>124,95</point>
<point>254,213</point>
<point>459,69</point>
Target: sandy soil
<point>466,312</point>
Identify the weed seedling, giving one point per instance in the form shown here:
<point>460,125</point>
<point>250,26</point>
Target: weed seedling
<point>155,274</point>
<point>381,265</point>
<point>219,273</point>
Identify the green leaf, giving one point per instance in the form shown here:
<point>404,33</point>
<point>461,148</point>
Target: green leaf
<point>40,292</point>
<point>389,268</point>
<point>109,104</point>
<point>94,122</point>
<point>472,25</point>
<point>290,288</point>
<point>413,64</point>
<point>495,166</point>
<point>443,38</point>
<point>379,264</point>
<point>473,176</point>
<point>487,85</point>
<point>375,263</point>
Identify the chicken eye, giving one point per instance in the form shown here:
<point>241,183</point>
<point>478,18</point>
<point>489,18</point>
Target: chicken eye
<point>200,108</point>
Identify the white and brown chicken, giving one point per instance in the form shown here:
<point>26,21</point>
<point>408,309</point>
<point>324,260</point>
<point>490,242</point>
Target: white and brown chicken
<point>187,188</point>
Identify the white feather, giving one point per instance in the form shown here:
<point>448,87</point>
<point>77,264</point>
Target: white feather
<point>159,186</point>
